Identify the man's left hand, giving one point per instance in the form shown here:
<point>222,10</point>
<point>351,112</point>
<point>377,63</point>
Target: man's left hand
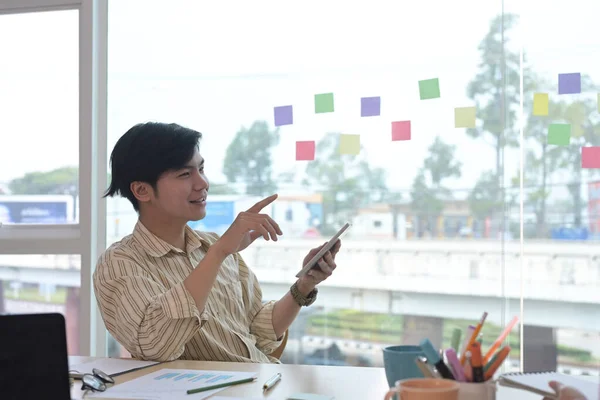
<point>323,270</point>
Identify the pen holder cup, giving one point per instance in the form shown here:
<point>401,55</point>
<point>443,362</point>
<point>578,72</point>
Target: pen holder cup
<point>477,391</point>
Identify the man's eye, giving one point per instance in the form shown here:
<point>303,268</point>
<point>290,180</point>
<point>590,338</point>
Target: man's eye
<point>185,174</point>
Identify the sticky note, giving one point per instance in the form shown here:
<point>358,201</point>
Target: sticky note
<point>540,104</point>
<point>350,144</point>
<point>284,115</point>
<point>464,117</point>
<point>569,83</point>
<point>400,130</point>
<point>559,134</point>
<point>323,103</point>
<point>370,106</point>
<point>429,89</point>
<point>305,151</point>
<point>590,157</point>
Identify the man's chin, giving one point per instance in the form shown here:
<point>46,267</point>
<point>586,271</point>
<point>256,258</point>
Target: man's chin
<point>198,216</point>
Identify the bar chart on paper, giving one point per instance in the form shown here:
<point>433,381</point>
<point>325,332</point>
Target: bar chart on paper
<point>174,383</point>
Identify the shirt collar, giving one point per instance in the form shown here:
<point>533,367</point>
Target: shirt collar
<point>156,247</point>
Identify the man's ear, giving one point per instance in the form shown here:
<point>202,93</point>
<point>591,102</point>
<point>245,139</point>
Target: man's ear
<point>142,191</point>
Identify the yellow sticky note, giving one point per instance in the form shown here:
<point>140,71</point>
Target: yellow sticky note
<point>540,104</point>
<point>464,117</point>
<point>350,144</point>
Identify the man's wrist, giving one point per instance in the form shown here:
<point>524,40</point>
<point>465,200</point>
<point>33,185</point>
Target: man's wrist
<point>304,289</point>
<point>216,253</point>
<point>301,299</point>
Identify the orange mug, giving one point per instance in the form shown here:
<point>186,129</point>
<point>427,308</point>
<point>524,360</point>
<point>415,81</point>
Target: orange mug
<point>424,389</point>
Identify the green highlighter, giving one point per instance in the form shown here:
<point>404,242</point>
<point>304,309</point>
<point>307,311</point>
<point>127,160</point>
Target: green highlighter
<point>220,385</point>
<point>455,341</point>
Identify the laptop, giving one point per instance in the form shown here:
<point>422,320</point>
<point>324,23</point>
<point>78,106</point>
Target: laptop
<point>33,357</point>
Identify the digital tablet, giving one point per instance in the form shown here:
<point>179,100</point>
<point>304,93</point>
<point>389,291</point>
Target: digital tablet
<point>307,267</point>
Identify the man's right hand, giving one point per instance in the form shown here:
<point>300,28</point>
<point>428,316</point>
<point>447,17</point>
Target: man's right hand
<point>247,227</point>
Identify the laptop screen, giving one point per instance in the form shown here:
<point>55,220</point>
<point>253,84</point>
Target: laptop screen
<point>33,357</point>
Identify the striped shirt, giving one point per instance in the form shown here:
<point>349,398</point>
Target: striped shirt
<point>139,288</point>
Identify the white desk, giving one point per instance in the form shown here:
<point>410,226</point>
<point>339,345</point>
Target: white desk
<point>344,383</point>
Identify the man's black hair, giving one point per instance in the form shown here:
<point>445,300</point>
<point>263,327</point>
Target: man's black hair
<point>145,152</point>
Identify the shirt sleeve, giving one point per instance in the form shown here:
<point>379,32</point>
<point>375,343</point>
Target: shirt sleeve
<point>149,320</point>
<point>260,314</point>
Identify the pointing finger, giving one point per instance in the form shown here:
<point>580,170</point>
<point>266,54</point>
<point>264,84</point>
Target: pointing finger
<point>262,204</point>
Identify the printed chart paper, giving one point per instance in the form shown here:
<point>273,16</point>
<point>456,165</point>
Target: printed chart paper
<point>173,384</point>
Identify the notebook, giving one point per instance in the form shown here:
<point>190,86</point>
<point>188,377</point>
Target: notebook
<point>538,383</point>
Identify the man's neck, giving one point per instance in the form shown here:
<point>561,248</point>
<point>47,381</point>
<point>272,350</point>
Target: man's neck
<point>170,231</point>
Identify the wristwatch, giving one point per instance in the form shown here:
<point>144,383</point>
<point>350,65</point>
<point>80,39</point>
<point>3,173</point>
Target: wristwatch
<point>303,301</point>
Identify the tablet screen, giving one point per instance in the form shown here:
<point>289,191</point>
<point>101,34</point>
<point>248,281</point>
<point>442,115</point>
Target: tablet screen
<point>322,252</point>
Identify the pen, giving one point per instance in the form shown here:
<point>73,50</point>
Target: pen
<point>500,339</point>
<point>422,364</point>
<point>476,362</point>
<point>457,369</point>
<point>465,343</point>
<point>496,362</point>
<point>220,385</point>
<point>272,382</point>
<point>473,337</point>
<point>434,359</point>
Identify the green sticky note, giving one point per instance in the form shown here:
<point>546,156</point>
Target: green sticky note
<point>559,134</point>
<point>429,89</point>
<point>323,103</point>
<point>350,144</point>
<point>464,117</point>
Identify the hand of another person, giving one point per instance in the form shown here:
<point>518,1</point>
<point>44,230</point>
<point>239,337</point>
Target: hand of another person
<point>326,266</point>
<point>565,392</point>
<point>247,227</point>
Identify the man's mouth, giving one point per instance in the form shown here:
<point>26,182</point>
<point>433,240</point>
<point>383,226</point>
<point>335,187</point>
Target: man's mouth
<point>198,201</point>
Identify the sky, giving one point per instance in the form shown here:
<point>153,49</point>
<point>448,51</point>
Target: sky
<point>218,66</point>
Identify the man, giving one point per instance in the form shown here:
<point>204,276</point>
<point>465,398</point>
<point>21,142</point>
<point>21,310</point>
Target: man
<point>168,292</point>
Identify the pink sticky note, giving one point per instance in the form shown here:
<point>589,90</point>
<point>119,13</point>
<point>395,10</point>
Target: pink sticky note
<point>590,157</point>
<point>400,130</point>
<point>305,151</point>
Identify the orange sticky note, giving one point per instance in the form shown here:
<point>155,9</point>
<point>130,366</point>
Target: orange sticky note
<point>305,150</point>
<point>400,130</point>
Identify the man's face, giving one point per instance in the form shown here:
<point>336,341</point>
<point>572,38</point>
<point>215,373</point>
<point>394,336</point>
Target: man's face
<point>181,194</point>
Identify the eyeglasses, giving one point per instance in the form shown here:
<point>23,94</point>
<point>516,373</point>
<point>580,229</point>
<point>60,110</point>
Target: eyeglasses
<point>97,381</point>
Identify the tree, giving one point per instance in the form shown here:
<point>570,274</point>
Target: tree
<point>248,159</point>
<point>545,158</point>
<point>495,100</point>
<point>541,158</point>
<point>425,204</point>
<point>63,180</point>
<point>428,193</point>
<point>347,182</point>
<point>484,198</point>
<point>441,163</point>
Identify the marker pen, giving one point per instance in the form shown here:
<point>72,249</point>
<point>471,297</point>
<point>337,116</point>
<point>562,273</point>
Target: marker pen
<point>477,362</point>
<point>433,358</point>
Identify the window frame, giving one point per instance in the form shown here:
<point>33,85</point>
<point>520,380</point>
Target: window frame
<point>88,237</point>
